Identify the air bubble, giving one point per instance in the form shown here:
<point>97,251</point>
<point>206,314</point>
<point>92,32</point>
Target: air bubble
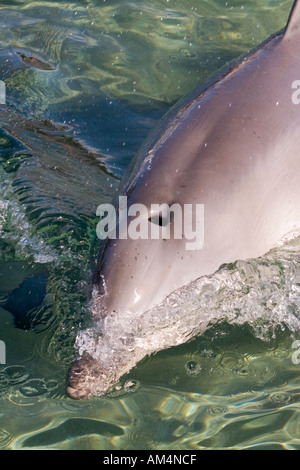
<point>131,386</point>
<point>16,374</point>
<point>188,54</point>
<point>193,367</point>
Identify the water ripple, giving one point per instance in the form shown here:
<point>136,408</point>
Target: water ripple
<point>90,65</point>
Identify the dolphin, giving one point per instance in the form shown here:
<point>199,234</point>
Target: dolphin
<point>231,146</point>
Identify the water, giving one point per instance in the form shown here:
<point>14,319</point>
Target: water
<point>86,82</point>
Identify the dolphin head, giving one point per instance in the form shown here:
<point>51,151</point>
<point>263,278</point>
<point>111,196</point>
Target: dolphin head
<point>140,266</point>
<point>231,149</point>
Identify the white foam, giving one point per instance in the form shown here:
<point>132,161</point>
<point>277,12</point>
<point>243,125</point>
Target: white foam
<point>263,292</point>
<point>20,233</point>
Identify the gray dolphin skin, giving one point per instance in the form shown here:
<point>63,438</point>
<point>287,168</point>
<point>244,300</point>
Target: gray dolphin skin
<point>232,146</point>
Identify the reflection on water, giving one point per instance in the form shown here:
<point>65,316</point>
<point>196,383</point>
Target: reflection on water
<point>240,397</point>
<point>86,82</point>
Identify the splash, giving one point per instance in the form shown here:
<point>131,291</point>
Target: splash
<point>262,292</point>
<point>17,231</point>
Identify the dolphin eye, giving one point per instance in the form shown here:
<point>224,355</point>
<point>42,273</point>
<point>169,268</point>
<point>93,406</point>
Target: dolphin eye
<point>157,220</point>
<point>161,218</point>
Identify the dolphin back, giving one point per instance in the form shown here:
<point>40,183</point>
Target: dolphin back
<point>288,33</point>
<point>293,25</point>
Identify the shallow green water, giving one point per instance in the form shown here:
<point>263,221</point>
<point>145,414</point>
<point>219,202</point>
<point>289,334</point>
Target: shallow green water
<point>105,72</point>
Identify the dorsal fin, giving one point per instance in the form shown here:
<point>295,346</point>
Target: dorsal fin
<point>293,24</point>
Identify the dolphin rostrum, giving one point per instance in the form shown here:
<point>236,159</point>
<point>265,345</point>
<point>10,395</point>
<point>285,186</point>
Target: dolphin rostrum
<point>233,147</point>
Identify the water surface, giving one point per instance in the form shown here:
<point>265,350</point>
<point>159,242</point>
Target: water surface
<point>86,82</point>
